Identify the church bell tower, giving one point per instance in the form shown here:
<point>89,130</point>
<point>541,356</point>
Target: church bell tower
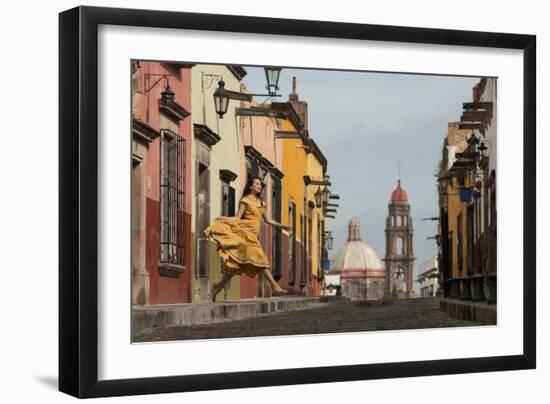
<point>399,257</point>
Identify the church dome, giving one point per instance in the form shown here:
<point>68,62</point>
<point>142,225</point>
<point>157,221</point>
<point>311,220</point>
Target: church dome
<point>399,194</point>
<point>355,255</point>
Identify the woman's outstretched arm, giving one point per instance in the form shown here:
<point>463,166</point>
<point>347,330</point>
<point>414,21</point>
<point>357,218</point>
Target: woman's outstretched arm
<point>274,223</point>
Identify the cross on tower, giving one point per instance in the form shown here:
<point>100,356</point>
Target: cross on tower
<point>399,170</point>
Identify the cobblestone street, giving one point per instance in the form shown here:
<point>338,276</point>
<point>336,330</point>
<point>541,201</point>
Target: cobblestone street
<point>340,316</point>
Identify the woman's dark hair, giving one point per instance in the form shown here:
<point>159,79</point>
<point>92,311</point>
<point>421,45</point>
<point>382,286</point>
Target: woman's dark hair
<point>248,187</point>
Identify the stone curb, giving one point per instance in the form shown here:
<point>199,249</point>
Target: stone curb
<point>146,318</point>
<point>480,312</point>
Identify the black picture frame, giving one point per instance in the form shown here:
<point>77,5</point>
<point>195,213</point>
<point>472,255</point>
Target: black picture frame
<point>78,201</point>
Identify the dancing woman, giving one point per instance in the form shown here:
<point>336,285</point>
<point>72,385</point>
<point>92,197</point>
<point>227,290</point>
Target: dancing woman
<point>237,239</point>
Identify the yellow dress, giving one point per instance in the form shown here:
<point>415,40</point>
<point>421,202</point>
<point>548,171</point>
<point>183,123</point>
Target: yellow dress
<point>237,239</point>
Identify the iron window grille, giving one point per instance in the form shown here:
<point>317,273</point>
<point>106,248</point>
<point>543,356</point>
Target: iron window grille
<point>172,198</point>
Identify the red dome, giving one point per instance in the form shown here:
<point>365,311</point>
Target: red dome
<point>399,193</point>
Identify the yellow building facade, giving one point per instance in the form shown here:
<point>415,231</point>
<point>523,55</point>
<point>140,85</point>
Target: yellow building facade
<point>459,212</point>
<point>292,145</point>
<point>316,171</point>
<point>304,167</point>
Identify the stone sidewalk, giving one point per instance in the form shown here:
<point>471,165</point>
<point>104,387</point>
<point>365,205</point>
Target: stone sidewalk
<point>146,318</point>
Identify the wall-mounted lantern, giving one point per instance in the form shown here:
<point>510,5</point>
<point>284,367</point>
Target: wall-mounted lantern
<point>328,240</point>
<point>482,148</point>
<point>221,99</point>
<point>167,95</point>
<point>319,197</point>
<point>326,195</point>
<point>272,75</point>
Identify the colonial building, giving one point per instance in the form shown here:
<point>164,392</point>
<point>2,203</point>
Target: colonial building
<point>399,246</point>
<point>361,274</point>
<point>279,149</point>
<point>485,227</point>
<point>216,179</point>
<point>457,214</point>
<point>316,171</point>
<point>428,278</point>
<point>261,157</point>
<point>189,169</point>
<point>467,189</point>
<point>161,183</point>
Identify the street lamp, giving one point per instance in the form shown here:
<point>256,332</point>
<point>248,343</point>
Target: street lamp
<point>319,197</point>
<point>326,195</point>
<point>473,140</point>
<point>221,99</point>
<point>222,95</point>
<point>328,240</point>
<point>482,148</point>
<point>272,75</point>
<point>167,95</point>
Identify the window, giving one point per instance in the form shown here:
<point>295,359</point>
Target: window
<point>493,206</point>
<point>374,289</point>
<point>309,254</point>
<point>276,232</point>
<point>470,239</point>
<point>479,223</point>
<point>459,252</point>
<point>303,239</point>
<point>451,255</point>
<point>292,243</point>
<point>320,245</point>
<point>252,166</point>
<point>399,245</point>
<point>228,200</point>
<point>172,198</point>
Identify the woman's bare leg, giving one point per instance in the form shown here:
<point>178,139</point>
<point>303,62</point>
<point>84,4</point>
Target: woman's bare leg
<point>217,287</point>
<point>274,285</point>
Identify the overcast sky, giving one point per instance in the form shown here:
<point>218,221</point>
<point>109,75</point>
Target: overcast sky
<point>365,123</point>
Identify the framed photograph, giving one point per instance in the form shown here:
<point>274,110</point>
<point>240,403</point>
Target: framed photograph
<point>252,201</point>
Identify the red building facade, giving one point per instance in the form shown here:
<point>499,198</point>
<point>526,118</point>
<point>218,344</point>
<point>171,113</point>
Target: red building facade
<point>161,186</point>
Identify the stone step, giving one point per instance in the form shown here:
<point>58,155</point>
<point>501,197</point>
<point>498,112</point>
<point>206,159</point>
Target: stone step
<point>145,318</point>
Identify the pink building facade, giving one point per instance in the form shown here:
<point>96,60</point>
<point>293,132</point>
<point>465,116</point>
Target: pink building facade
<point>161,184</point>
<point>263,157</point>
